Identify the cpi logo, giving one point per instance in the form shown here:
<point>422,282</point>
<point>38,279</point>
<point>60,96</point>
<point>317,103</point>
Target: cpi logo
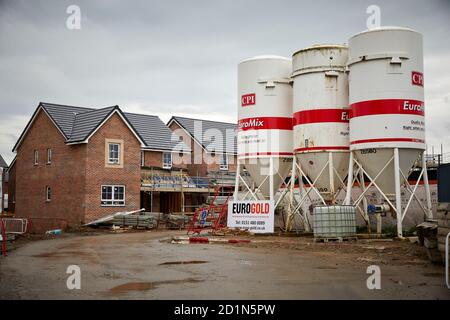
<point>248,99</point>
<point>417,78</point>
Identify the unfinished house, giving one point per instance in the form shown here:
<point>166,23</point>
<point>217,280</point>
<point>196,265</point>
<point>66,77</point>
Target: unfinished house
<point>75,164</point>
<point>213,145</point>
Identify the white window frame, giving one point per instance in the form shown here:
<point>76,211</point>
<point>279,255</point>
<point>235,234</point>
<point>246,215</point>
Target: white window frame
<point>223,164</point>
<point>167,165</point>
<point>114,160</point>
<point>49,155</point>
<point>48,194</point>
<point>36,157</point>
<point>142,158</point>
<point>113,199</point>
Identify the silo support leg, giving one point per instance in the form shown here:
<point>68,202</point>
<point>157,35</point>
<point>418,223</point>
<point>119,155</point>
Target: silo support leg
<point>427,187</point>
<point>331,174</point>
<point>291,197</point>
<point>236,183</point>
<point>348,195</point>
<point>398,201</point>
<point>362,183</point>
<point>413,194</point>
<point>271,174</point>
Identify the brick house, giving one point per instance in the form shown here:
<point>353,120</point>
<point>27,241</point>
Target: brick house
<point>74,164</point>
<point>213,145</point>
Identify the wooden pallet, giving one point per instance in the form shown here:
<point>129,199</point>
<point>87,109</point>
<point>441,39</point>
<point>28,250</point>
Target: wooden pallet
<point>335,239</point>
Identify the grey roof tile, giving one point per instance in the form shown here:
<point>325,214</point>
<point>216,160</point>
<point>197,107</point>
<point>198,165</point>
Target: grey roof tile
<point>77,123</point>
<point>155,133</point>
<point>3,162</point>
<point>64,116</point>
<point>209,131</point>
<point>85,123</point>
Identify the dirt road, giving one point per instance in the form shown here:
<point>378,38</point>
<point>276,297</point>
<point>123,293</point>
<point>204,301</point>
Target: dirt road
<point>141,266</point>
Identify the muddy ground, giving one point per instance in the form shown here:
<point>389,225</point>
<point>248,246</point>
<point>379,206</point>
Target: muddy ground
<point>145,265</point>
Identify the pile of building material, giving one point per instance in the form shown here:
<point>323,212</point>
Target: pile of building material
<point>135,221</point>
<point>427,234</point>
<point>443,222</point>
<point>126,219</point>
<point>231,231</point>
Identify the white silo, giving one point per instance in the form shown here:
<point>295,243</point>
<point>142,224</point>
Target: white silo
<point>387,123</point>
<point>265,123</point>
<point>320,117</point>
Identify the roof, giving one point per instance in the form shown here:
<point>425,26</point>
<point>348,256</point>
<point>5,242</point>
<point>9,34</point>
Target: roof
<point>155,133</point>
<point>385,28</point>
<point>78,124</point>
<point>208,136</point>
<point>3,162</point>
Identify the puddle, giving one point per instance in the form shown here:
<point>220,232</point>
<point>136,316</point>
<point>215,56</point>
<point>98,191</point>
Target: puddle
<point>433,274</point>
<point>144,286</point>
<point>327,268</point>
<point>182,262</point>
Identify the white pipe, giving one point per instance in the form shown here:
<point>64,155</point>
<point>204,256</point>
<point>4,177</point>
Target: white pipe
<point>271,187</point>
<point>362,185</point>
<point>398,202</point>
<point>291,196</point>
<point>236,183</point>
<point>427,187</point>
<point>331,174</point>
<point>348,196</point>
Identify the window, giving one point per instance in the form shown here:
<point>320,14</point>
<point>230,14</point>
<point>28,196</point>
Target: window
<point>142,158</point>
<point>49,156</point>
<point>223,161</point>
<point>113,196</point>
<point>36,157</point>
<point>48,194</point>
<point>114,153</point>
<point>167,160</point>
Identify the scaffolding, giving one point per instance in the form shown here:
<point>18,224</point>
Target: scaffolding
<point>179,183</point>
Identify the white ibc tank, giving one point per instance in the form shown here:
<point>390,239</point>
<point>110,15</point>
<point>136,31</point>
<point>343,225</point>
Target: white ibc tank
<point>320,114</point>
<point>265,120</point>
<point>387,100</point>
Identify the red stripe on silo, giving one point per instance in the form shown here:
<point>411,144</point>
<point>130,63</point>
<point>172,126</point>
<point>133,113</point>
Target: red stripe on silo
<point>265,154</point>
<point>322,148</point>
<point>320,115</point>
<point>265,123</point>
<point>388,140</point>
<point>387,106</point>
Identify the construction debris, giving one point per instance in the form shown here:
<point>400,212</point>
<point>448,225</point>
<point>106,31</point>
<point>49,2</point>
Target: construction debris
<point>136,221</point>
<point>55,232</point>
<point>111,217</point>
<point>427,235</point>
<point>231,231</point>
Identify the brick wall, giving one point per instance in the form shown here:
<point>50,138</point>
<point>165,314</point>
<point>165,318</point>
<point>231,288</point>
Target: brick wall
<point>97,174</point>
<point>64,175</point>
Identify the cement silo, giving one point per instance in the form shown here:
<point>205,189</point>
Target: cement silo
<point>265,123</point>
<point>320,117</point>
<point>387,117</point>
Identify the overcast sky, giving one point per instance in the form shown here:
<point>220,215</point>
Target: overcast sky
<point>180,57</point>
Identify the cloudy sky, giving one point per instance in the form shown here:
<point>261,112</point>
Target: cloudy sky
<point>179,57</point>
